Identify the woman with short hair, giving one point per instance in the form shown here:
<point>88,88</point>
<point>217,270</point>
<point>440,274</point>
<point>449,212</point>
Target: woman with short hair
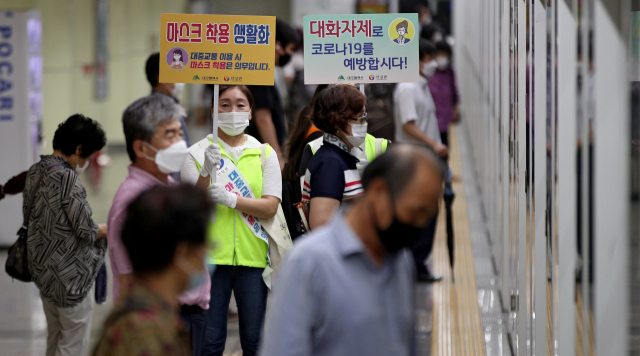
<point>66,248</point>
<point>332,177</point>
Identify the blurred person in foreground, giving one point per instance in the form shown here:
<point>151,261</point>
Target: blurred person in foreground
<point>172,221</point>
<point>416,122</point>
<point>154,140</point>
<point>444,91</point>
<point>347,289</point>
<point>66,248</point>
<point>268,124</point>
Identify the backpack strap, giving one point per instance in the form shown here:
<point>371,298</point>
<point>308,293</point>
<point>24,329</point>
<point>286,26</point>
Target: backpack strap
<point>25,223</point>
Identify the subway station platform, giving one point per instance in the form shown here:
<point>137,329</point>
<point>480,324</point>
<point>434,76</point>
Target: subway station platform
<point>461,316</point>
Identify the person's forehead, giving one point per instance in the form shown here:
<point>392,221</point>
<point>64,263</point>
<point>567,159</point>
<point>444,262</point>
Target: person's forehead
<point>172,125</point>
<point>234,93</point>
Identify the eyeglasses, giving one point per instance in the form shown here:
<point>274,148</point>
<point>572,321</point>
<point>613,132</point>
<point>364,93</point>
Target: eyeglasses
<point>362,119</point>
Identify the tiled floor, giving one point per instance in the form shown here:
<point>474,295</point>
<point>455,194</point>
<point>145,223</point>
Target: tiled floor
<point>487,280</point>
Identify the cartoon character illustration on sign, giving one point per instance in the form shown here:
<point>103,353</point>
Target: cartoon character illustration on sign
<point>402,30</point>
<point>177,63</point>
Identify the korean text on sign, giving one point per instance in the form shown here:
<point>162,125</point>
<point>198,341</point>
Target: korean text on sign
<point>215,48</point>
<point>361,48</point>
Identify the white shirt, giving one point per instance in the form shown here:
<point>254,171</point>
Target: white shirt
<point>271,177</point>
<point>413,102</point>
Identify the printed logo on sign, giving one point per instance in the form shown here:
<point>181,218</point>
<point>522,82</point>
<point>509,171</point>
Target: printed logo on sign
<point>221,164</point>
<point>401,31</point>
<point>195,77</point>
<point>341,77</point>
<point>226,79</point>
<point>177,58</point>
<point>372,77</point>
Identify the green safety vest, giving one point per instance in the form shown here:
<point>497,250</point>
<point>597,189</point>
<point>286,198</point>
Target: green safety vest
<point>373,147</point>
<point>234,243</point>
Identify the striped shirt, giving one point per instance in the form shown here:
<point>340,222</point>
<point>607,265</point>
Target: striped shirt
<point>332,172</point>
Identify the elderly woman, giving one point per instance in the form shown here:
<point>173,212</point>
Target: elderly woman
<point>66,247</point>
<point>332,177</point>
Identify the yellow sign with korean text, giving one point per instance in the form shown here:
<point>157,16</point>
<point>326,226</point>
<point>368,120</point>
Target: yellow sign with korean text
<point>217,49</point>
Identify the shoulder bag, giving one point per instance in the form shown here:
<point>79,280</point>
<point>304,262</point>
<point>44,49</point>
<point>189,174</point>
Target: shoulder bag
<point>17,265</point>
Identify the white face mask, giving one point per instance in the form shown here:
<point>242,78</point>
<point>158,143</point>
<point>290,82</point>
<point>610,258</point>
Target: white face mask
<point>233,123</point>
<point>358,134</point>
<point>443,62</point>
<point>428,69</point>
<point>170,159</point>
<point>177,89</point>
<point>80,170</point>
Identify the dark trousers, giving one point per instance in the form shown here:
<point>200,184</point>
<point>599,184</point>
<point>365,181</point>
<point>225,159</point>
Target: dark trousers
<point>194,317</point>
<point>422,248</point>
<point>251,297</point>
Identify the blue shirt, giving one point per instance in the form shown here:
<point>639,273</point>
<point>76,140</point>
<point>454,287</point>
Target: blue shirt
<point>331,298</point>
<point>332,172</point>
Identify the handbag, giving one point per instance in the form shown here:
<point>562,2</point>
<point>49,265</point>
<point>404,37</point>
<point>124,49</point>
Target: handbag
<point>17,265</point>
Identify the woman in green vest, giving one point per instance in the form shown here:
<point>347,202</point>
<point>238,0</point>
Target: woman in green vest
<point>244,192</point>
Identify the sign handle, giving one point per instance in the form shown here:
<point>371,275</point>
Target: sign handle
<point>361,85</point>
<point>214,118</point>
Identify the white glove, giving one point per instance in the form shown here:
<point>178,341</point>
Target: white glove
<point>219,195</point>
<point>211,160</point>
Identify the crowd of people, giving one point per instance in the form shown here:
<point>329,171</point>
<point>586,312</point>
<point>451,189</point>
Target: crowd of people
<point>367,207</point>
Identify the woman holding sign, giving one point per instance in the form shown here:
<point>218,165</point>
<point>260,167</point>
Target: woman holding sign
<point>245,191</point>
<point>332,176</point>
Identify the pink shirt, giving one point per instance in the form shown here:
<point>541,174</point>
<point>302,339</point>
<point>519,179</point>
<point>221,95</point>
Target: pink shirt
<point>136,182</point>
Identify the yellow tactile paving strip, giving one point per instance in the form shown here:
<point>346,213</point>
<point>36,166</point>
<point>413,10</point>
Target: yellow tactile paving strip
<point>457,325</point>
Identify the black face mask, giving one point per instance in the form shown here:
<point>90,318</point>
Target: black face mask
<point>399,235</point>
<point>284,59</point>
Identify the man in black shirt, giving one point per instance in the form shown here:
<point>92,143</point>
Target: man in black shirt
<point>268,125</point>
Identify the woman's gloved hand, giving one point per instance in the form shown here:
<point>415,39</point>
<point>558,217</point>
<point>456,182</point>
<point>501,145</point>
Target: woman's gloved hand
<point>212,157</point>
<point>221,196</point>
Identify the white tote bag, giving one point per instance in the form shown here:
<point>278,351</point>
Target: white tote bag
<point>279,237</point>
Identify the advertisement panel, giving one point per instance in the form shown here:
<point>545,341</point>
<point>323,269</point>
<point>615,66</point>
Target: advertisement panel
<point>217,49</point>
<point>20,107</point>
<point>361,48</point>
